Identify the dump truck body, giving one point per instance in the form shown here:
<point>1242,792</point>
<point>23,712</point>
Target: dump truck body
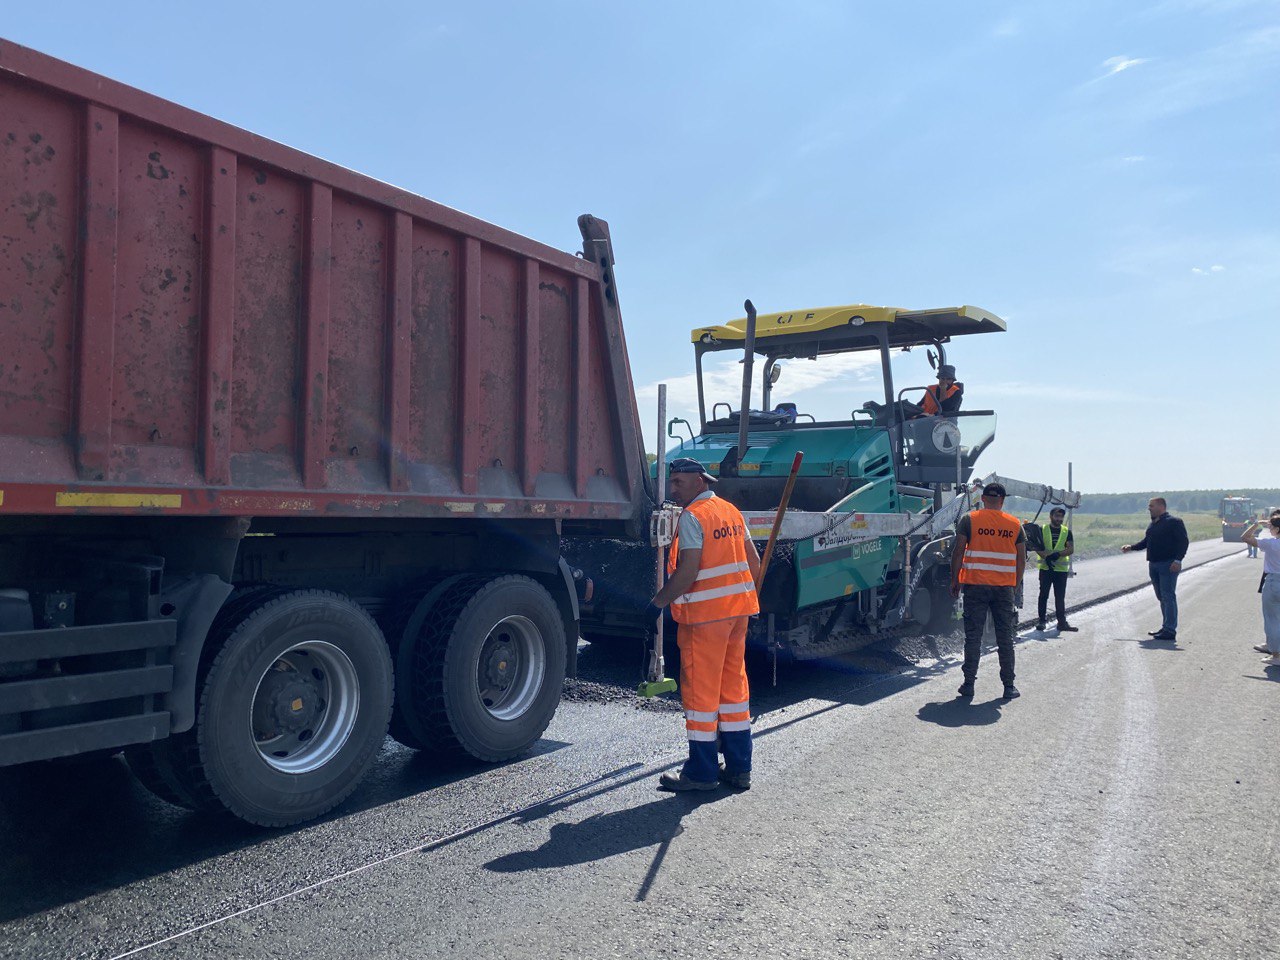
<point>279,441</point>
<point>200,321</point>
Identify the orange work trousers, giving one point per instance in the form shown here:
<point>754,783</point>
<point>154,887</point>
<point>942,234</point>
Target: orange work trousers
<point>716,699</point>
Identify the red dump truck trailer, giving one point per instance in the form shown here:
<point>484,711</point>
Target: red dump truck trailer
<point>286,454</point>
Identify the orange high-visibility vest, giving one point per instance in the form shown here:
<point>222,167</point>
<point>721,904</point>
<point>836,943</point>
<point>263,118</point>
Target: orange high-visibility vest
<point>930,403</point>
<point>724,587</point>
<point>991,555</point>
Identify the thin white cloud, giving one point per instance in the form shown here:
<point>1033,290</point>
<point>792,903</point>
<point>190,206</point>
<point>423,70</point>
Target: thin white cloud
<point>1114,65</point>
<point>825,388</point>
<point>1202,272</point>
<point>1136,158</point>
<point>1155,255</point>
<point>1239,67</point>
<point>722,380</point>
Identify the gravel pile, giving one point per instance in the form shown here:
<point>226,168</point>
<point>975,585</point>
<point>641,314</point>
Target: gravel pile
<point>587,691</point>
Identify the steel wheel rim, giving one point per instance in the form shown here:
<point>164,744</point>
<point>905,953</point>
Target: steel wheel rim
<point>510,668</point>
<point>304,707</point>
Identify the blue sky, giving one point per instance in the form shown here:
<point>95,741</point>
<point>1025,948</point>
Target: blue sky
<point>1105,176</point>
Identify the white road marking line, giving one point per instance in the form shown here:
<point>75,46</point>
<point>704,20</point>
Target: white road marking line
<point>416,848</point>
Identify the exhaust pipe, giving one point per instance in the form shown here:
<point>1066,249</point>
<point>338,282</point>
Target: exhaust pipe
<point>748,364</point>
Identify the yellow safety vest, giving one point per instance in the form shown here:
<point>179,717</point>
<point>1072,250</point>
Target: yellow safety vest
<point>1054,545</point>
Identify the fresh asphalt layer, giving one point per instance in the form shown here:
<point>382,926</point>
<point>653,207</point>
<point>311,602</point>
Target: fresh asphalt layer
<point>1123,807</point>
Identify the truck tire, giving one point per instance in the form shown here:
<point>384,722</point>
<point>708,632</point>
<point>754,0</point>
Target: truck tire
<point>394,626</point>
<point>159,765</point>
<point>153,764</point>
<point>293,707</point>
<point>488,668</point>
<point>402,626</point>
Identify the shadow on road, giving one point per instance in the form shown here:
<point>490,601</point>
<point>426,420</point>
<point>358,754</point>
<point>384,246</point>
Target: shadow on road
<point>1149,643</point>
<point>70,829</point>
<point>605,835</point>
<point>961,713</point>
<point>1271,670</point>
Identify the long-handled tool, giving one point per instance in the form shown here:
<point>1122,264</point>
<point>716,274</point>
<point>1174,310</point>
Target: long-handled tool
<point>777,519</point>
<point>768,548</point>
<point>657,681</point>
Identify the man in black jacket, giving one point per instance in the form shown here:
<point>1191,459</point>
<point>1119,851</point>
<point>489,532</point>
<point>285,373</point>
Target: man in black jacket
<point>1166,544</point>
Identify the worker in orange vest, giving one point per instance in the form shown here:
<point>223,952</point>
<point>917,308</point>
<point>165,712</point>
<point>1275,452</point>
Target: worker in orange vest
<point>945,396</point>
<point>711,571</point>
<point>987,560</point>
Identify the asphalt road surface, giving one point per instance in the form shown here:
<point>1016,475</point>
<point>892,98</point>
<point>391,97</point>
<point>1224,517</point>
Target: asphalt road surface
<point>1123,807</point>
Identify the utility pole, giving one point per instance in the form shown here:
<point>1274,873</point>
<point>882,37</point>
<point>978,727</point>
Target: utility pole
<point>1071,567</point>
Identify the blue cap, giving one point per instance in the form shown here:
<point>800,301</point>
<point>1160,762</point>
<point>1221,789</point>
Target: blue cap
<point>690,465</point>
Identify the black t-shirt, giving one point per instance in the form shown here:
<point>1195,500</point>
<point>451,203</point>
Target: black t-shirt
<point>1035,538</point>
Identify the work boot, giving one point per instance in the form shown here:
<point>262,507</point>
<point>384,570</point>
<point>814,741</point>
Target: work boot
<point>678,783</point>
<point>966,689</point>
<point>1164,635</point>
<point>1039,626</point>
<point>735,781</point>
<point>1011,692</point>
<point>1065,627</point>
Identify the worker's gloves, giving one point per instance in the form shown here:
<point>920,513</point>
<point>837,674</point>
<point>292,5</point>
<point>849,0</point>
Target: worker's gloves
<point>652,612</point>
<point>1053,557</point>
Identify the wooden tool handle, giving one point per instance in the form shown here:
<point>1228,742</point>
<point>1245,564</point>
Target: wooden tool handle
<point>777,519</point>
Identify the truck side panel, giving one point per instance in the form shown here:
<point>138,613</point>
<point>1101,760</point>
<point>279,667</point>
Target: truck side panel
<point>183,304</point>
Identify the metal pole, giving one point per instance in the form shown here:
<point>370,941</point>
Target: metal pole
<point>657,669</point>
<point>959,460</point>
<point>892,410</point>
<point>657,682</point>
<point>744,414</point>
<point>1071,567</point>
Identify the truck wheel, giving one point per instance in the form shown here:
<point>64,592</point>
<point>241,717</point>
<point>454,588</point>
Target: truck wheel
<point>293,707</point>
<point>394,626</point>
<point>402,627</point>
<point>488,667</point>
<point>155,767</point>
<point>159,765</point>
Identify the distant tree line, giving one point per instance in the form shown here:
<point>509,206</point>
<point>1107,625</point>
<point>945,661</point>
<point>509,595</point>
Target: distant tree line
<point>1196,501</point>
